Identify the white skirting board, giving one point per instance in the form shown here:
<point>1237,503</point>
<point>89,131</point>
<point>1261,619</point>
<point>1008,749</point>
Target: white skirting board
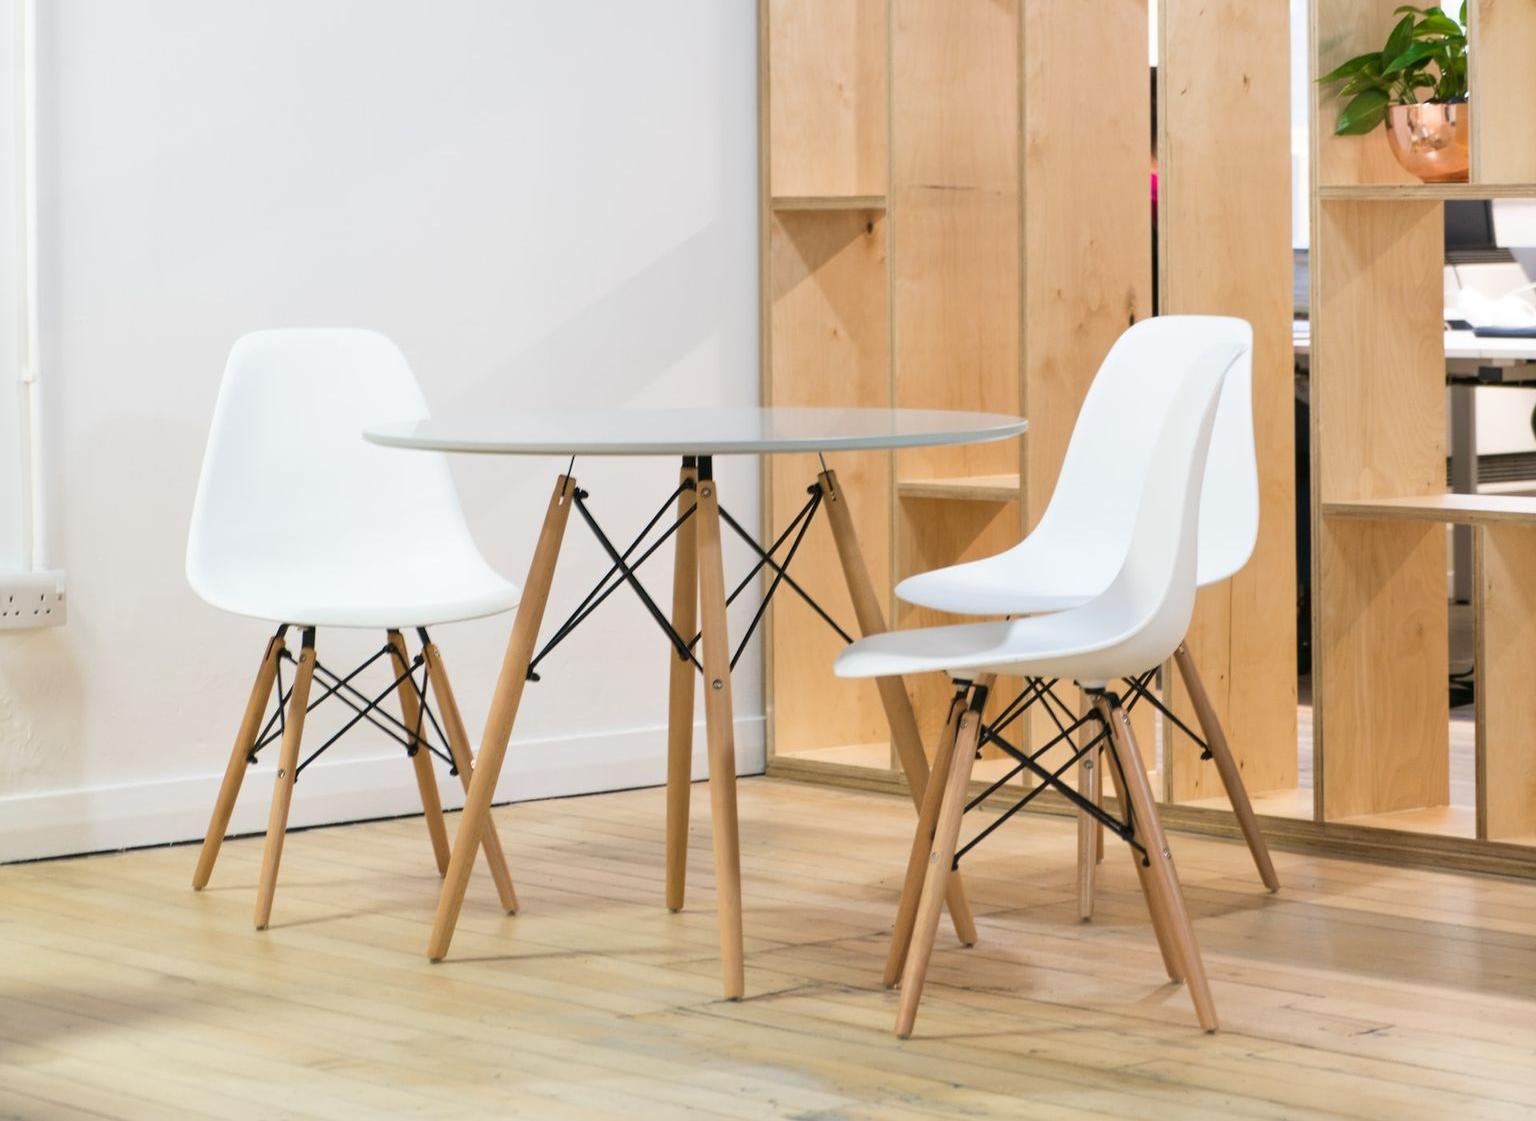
<point>340,789</point>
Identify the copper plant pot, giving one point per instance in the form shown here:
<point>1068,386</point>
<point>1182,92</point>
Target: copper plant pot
<point>1431,138</point>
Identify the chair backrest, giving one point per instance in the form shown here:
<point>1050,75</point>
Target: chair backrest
<point>1117,429</point>
<point>1152,596</point>
<point>288,479</point>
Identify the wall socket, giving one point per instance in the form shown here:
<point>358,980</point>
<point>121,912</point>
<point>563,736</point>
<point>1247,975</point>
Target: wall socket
<point>32,599</point>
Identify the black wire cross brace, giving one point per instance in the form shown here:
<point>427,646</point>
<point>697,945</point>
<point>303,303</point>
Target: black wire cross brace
<point>624,568</point>
<point>1039,690</point>
<point>363,706</point>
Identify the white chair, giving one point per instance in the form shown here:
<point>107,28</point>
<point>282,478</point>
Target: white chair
<point>1136,621</point>
<point>1073,552</point>
<point>300,521</point>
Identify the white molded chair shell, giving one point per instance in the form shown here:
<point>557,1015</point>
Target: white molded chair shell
<point>1141,616</point>
<point>300,520</point>
<point>1081,539</point>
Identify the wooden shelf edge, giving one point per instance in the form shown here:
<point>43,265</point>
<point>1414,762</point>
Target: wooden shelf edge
<point>1461,509</point>
<point>973,488</point>
<point>1332,839</point>
<point>827,202</point>
<point>1410,192</point>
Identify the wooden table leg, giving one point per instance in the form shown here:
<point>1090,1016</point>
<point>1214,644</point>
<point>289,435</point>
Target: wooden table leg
<point>893,693</point>
<point>464,763</point>
<point>503,713</point>
<point>1226,767</point>
<point>716,651</point>
<point>685,609</point>
<point>287,774</point>
<point>239,759</point>
<point>421,758</point>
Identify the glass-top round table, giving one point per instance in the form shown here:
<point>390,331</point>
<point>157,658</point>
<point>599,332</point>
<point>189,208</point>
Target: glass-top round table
<point>697,621</point>
<point>698,431</point>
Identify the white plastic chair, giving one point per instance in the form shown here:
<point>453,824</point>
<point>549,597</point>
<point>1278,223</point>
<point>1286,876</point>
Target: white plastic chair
<point>300,521</point>
<point>1136,621</point>
<point>1073,552</point>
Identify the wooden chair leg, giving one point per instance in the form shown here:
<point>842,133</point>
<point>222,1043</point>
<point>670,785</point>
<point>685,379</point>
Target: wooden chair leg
<point>922,845</point>
<point>722,741</point>
<point>1090,833</point>
<point>421,758</point>
<point>239,758</point>
<point>1165,899</point>
<point>941,857</point>
<point>503,713</point>
<point>463,762</point>
<point>685,609</point>
<point>893,693</point>
<point>1226,766</point>
<point>282,790</point>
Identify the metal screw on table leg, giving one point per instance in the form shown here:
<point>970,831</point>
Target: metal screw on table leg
<point>717,684</point>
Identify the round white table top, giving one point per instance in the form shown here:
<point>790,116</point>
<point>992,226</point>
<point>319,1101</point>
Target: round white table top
<point>704,431</point>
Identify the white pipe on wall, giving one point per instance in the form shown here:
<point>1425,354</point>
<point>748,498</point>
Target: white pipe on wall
<point>34,504</point>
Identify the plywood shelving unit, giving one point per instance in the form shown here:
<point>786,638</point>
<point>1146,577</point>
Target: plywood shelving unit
<point>1378,428</point>
<point>948,222</point>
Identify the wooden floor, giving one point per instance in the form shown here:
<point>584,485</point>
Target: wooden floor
<point>1361,991</point>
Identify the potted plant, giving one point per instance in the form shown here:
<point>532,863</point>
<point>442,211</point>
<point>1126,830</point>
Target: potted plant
<point>1426,51</point>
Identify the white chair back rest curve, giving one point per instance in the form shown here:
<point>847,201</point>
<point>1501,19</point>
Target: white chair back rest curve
<point>1117,428</point>
<point>287,477</point>
<point>1152,597</point>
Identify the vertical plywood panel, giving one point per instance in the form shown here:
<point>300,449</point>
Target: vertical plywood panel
<point>1224,173</point>
<point>1087,226</point>
<point>1341,30</point>
<point>1502,50</point>
<point>829,347</point>
<point>954,195</point>
<point>827,97</point>
<point>1506,703</point>
<point>1378,429</point>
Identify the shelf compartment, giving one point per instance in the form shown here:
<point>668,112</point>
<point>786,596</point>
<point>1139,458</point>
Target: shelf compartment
<point>783,203</point>
<point>1458,509</point>
<point>971,488</point>
<point>1504,558</point>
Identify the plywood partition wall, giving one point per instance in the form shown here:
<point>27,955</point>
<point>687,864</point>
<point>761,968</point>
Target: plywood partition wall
<point>1224,229</point>
<point>1503,90</point>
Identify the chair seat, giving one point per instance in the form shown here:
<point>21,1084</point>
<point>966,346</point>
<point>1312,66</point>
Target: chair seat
<point>995,586</point>
<point>1081,643</point>
<point>392,589</point>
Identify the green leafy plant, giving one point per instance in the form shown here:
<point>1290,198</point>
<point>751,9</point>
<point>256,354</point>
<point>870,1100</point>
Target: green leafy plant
<point>1427,50</point>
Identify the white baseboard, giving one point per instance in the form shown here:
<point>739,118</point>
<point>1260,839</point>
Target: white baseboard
<point>161,811</point>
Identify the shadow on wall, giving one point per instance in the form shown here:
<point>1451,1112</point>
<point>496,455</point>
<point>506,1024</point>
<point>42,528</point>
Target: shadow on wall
<point>615,339</point>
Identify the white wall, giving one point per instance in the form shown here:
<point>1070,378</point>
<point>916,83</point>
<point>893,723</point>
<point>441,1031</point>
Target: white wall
<point>544,203</point>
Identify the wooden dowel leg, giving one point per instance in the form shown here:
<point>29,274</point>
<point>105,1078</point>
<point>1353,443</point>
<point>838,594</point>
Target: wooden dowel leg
<point>716,660</point>
<point>1226,766</point>
<point>282,789</point>
<point>939,870</point>
<point>502,715</point>
<point>1090,833</point>
<point>463,762</point>
<point>893,693</point>
<point>421,758</point>
<point>1165,898</point>
<point>239,759</point>
<point>685,607</point>
<point>922,845</point>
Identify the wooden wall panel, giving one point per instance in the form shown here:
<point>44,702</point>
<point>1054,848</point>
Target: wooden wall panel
<point>1343,29</point>
<point>1224,228</point>
<point>828,346</point>
<point>1502,50</point>
<point>954,191</point>
<point>1378,430</point>
<point>1506,703</point>
<point>827,97</point>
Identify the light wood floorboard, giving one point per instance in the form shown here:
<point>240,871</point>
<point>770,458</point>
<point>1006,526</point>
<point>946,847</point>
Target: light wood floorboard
<point>1360,991</point>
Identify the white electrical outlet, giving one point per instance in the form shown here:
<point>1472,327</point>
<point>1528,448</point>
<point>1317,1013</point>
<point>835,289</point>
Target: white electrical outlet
<point>32,599</point>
